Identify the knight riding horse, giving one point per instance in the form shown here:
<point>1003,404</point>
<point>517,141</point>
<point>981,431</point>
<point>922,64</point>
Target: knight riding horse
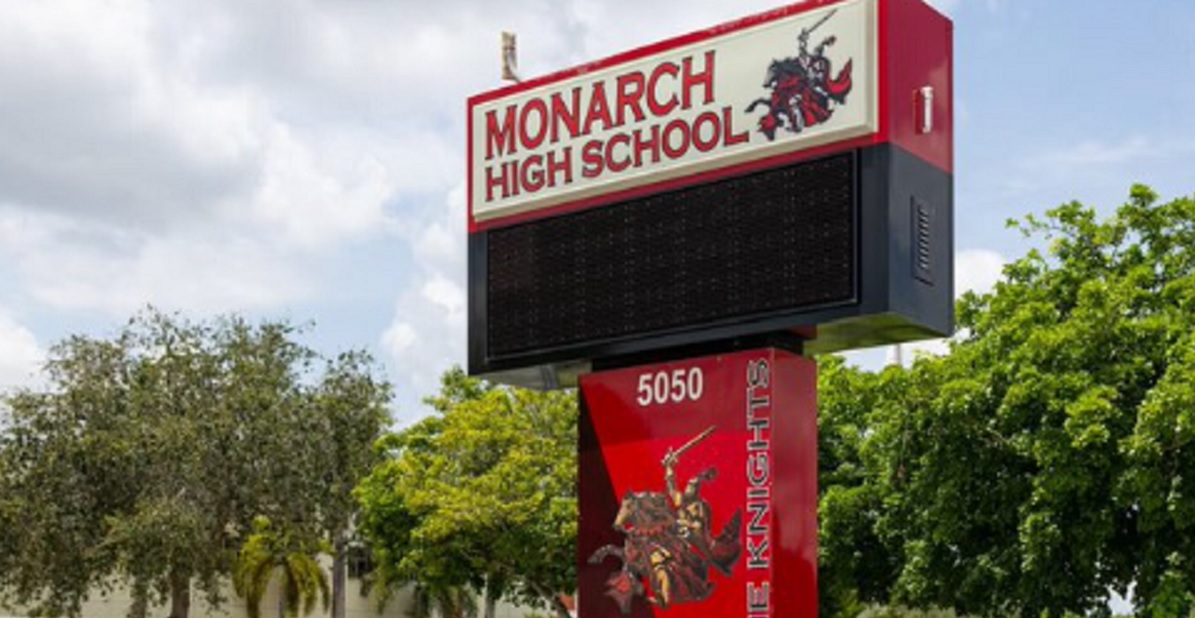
<point>693,512</point>
<point>668,543</point>
<point>803,92</point>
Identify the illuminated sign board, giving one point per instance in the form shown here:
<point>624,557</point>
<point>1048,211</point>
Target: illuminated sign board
<point>751,93</point>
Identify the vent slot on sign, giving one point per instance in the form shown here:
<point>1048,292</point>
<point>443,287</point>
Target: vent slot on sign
<point>777,240</point>
<point>922,249</point>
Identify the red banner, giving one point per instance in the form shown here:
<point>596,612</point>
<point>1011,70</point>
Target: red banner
<point>699,489</point>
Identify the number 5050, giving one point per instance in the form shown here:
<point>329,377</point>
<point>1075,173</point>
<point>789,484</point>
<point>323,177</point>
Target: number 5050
<point>670,386</point>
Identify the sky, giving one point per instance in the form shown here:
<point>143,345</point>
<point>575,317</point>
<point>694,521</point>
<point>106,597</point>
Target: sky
<point>304,159</point>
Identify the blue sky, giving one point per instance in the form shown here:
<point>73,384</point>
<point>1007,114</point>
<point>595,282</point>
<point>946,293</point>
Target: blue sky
<point>304,159</point>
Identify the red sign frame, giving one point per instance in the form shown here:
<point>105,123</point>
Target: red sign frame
<point>907,67</point>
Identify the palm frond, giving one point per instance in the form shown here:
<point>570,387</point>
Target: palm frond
<point>303,582</point>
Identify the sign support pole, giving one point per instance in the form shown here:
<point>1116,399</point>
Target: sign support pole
<point>698,488</point>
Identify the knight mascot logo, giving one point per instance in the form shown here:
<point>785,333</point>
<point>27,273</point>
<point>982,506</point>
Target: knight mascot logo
<point>803,93</point>
<point>668,541</point>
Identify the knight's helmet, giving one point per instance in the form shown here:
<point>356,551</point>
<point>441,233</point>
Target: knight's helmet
<point>693,487</point>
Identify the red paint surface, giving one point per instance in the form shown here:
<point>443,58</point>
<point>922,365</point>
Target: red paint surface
<point>623,444</point>
<point>917,44</point>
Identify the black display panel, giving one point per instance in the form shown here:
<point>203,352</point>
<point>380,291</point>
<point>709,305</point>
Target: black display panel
<point>783,239</point>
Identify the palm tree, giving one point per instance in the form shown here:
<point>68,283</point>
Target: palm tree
<point>446,601</point>
<point>269,550</point>
<point>428,599</point>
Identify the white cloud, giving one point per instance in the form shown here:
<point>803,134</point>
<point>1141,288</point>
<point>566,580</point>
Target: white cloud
<point>425,337</point>
<point>21,356</point>
<point>1094,158</point>
<point>975,270</point>
<point>1095,152</point>
<point>951,6</point>
<point>399,338</point>
<point>138,166</point>
<point>428,331</point>
<point>100,128</point>
<point>601,30</point>
<point>150,117</point>
<point>946,6</point>
<point>438,243</point>
<point>67,264</point>
<point>314,196</point>
<point>447,296</point>
<point>1093,171</point>
<point>910,351</point>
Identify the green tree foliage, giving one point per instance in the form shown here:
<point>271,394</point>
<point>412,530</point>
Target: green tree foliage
<point>856,567</point>
<point>352,414</point>
<point>481,494</point>
<point>271,550</point>
<point>1048,459</point>
<point>147,456</point>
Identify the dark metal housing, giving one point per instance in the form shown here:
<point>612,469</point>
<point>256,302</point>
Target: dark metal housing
<point>848,250</point>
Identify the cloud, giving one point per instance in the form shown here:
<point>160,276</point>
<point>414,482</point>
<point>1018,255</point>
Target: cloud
<point>21,356</point>
<point>1095,156</point>
<point>1091,170</point>
<point>448,297</point>
<point>428,331</point>
<point>313,196</point>
<point>950,7</point>
<point>120,126</point>
<point>425,337</point>
<point>946,6</point>
<point>100,129</point>
<point>399,338</point>
<point>67,264</point>
<point>975,270</point>
<point>1095,152</point>
<point>600,24</point>
<point>137,166</point>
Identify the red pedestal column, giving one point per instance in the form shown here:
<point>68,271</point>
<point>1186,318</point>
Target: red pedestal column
<point>698,489</point>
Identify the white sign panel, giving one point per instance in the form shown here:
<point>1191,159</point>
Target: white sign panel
<point>766,89</point>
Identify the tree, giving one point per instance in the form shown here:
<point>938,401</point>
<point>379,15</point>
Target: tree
<point>269,550</point>
<point>481,494</point>
<point>352,414</point>
<point>149,454</point>
<point>1045,461</point>
<point>855,566</point>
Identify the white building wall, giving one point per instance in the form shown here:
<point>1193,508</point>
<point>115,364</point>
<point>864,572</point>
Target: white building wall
<point>116,605</point>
